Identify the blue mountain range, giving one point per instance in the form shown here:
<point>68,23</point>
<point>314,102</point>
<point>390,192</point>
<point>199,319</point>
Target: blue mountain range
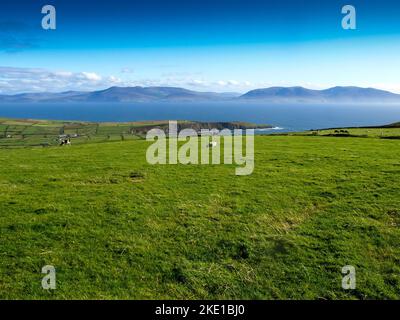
<point>270,95</point>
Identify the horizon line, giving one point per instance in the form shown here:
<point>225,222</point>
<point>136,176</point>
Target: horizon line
<point>199,91</point>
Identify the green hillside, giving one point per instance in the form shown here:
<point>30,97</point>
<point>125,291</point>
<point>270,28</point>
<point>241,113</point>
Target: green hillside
<point>117,227</point>
<point>44,133</point>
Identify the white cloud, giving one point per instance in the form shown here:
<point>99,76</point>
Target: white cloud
<point>91,76</point>
<point>114,80</point>
<point>63,73</point>
<point>18,80</point>
<point>197,83</point>
<point>219,85</point>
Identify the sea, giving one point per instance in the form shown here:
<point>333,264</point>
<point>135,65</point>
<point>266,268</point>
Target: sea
<point>282,117</point>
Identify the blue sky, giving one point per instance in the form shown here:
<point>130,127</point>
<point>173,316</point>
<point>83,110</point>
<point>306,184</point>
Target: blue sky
<point>219,45</point>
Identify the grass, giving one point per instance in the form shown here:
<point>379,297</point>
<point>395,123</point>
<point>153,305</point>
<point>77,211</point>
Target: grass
<point>43,133</point>
<point>358,132</point>
<point>117,227</point>
<point>25,133</point>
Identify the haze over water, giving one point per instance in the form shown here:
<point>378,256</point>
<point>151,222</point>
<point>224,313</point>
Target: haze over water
<point>289,117</point>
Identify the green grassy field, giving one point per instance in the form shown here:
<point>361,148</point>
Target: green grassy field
<point>117,227</point>
<point>16,133</point>
<point>384,133</point>
<point>43,133</point>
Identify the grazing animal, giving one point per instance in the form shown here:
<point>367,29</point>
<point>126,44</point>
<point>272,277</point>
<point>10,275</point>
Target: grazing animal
<point>212,144</point>
<point>65,142</point>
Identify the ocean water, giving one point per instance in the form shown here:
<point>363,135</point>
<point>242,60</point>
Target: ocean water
<point>282,117</point>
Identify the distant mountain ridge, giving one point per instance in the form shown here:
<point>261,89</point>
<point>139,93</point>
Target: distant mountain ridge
<point>176,94</point>
<point>331,95</point>
<point>121,94</point>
